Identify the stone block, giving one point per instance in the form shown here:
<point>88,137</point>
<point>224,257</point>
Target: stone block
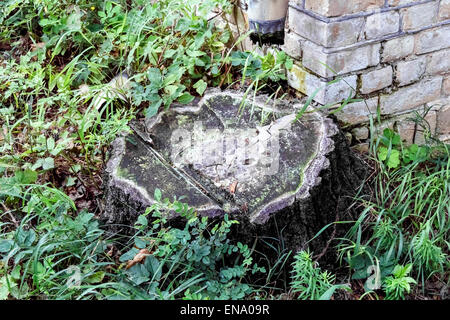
<point>432,40</point>
<point>438,62</point>
<point>333,34</point>
<point>382,24</point>
<point>443,120</point>
<point>300,79</point>
<point>358,112</point>
<point>334,8</point>
<point>361,133</point>
<point>376,80</point>
<point>292,45</point>
<point>409,97</point>
<point>446,86</point>
<point>419,16</point>
<point>410,71</point>
<point>397,48</point>
<point>444,10</point>
<point>341,62</point>
<point>395,3</point>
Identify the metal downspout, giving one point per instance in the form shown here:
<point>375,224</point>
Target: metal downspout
<point>267,19</point>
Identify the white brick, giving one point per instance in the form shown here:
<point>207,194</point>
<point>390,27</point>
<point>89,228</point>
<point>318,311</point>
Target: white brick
<point>446,86</point>
<point>376,80</point>
<point>395,3</point>
<point>444,10</point>
<point>307,83</point>
<point>410,71</point>
<point>412,96</point>
<point>398,48</point>
<point>406,128</point>
<point>432,40</point>
<point>381,24</point>
<point>333,8</point>
<point>438,62</point>
<point>333,34</point>
<point>292,45</point>
<point>358,112</point>
<point>340,62</point>
<point>443,120</point>
<point>419,16</point>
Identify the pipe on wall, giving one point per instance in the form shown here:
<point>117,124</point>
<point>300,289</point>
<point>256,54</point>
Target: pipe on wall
<point>267,19</point>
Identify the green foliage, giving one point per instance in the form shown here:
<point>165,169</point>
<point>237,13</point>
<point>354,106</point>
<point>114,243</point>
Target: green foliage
<point>392,153</point>
<point>170,47</point>
<point>189,262</point>
<point>47,242</point>
<point>54,255</point>
<point>309,281</point>
<point>271,66</point>
<point>399,283</point>
<point>405,222</point>
<point>428,255</point>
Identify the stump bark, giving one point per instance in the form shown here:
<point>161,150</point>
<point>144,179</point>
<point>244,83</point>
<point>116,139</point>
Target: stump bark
<point>246,157</point>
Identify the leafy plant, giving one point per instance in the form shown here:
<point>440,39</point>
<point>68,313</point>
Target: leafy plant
<point>399,283</point>
<point>47,243</point>
<point>404,222</point>
<point>193,261</point>
<point>309,281</point>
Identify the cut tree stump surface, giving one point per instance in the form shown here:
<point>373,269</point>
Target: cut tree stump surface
<point>251,160</point>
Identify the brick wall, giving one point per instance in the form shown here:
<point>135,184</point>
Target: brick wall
<point>394,53</point>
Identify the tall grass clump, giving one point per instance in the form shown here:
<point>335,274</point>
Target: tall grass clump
<point>405,224</point>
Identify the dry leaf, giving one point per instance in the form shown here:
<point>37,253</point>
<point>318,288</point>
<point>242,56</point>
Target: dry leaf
<point>138,258</point>
<point>233,187</point>
<point>39,45</point>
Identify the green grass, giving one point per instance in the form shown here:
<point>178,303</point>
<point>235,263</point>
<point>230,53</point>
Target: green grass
<point>406,221</point>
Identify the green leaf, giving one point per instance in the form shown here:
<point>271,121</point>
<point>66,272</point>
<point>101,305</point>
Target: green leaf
<point>50,144</point>
<point>382,153</point>
<point>157,194</point>
<point>26,177</point>
<point>153,109</point>
<point>142,221</point>
<point>153,266</point>
<point>15,274</point>
<point>195,53</point>
<point>48,163</point>
<point>4,290</point>
<point>200,86</point>
<point>138,274</point>
<point>185,98</point>
<point>289,63</point>
<point>171,89</point>
<point>329,293</point>
<point>6,245</point>
<point>97,277</point>
<point>394,159</point>
<point>25,238</point>
<point>390,136</point>
<point>70,181</point>
<point>154,76</point>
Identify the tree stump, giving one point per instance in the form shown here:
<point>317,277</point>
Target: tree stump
<point>248,158</point>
